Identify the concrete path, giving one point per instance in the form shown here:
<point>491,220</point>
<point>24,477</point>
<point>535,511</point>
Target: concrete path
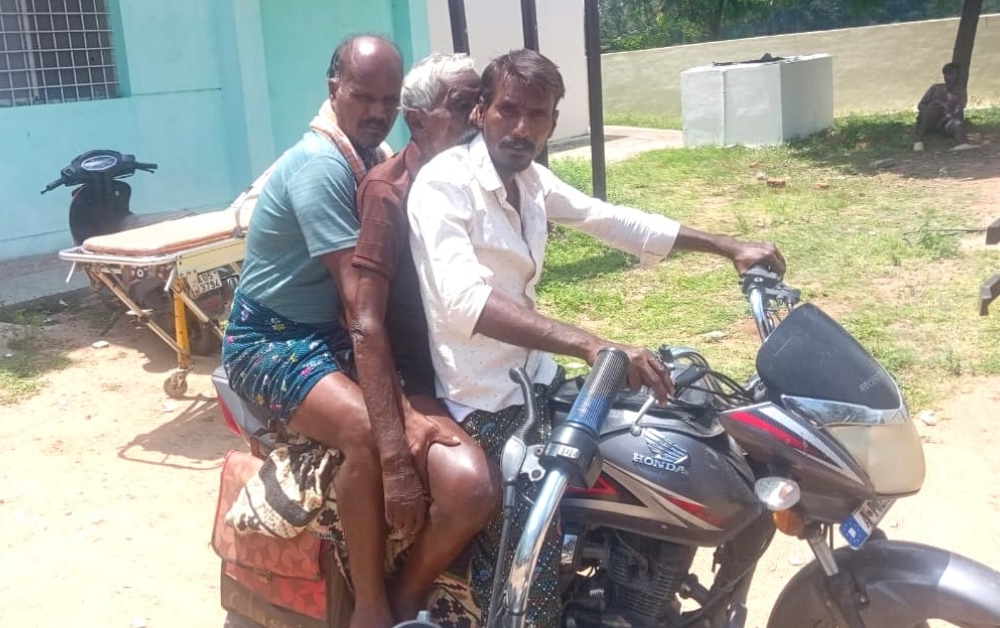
<point>29,278</point>
<point>621,143</point>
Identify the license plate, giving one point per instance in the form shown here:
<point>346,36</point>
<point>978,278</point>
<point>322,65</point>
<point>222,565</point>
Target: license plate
<point>206,282</point>
<point>859,526</point>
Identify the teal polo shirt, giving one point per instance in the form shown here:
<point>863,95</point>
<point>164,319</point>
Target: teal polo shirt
<point>306,209</point>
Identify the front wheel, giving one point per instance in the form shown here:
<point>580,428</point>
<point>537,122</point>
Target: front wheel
<point>814,610</point>
<point>899,585</point>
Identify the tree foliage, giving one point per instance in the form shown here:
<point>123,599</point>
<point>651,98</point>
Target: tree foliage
<point>638,24</point>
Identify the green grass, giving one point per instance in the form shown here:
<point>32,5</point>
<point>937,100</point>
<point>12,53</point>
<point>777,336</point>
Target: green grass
<point>649,120</point>
<point>32,355</point>
<point>870,248</point>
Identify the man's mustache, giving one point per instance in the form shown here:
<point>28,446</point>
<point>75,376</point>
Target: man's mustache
<point>518,145</point>
<point>375,125</point>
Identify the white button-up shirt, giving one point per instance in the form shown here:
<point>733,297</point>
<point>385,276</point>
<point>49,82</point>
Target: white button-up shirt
<point>467,240</point>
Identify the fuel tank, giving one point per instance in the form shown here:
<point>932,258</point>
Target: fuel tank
<point>676,476</point>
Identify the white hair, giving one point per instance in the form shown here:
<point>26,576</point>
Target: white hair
<point>424,83</point>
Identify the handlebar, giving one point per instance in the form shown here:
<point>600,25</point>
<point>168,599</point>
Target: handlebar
<point>588,413</point>
<point>53,185</point>
<point>767,293</point>
<point>95,165</point>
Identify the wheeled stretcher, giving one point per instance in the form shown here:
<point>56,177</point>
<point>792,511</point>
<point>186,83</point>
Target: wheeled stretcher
<point>189,265</point>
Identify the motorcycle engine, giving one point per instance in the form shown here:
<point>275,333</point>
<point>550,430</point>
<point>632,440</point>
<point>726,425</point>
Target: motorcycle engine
<point>646,575</point>
<point>641,578</point>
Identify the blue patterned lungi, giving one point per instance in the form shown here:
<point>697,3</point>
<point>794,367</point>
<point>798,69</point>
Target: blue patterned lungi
<point>273,362</point>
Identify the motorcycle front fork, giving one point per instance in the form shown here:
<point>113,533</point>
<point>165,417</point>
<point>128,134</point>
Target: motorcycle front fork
<point>847,597</point>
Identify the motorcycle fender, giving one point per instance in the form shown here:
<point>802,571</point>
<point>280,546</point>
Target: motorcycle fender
<point>904,583</point>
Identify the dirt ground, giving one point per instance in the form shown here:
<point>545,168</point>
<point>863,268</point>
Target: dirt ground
<point>107,486</point>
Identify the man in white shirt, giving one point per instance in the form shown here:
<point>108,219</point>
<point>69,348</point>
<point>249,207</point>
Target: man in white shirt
<point>478,215</point>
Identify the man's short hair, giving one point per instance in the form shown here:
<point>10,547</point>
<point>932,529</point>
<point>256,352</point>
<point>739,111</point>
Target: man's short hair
<point>951,67</point>
<point>425,83</point>
<point>523,68</point>
<point>344,48</point>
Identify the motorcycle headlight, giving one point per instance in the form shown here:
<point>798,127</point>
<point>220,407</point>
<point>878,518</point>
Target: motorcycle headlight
<point>884,443</point>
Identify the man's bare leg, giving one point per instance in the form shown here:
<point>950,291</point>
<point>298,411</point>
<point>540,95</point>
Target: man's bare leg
<point>464,487</point>
<point>929,120</point>
<point>334,414</point>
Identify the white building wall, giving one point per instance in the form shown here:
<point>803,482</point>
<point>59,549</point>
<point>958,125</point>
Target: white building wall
<point>495,28</point>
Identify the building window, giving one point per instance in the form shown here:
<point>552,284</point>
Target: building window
<point>55,51</point>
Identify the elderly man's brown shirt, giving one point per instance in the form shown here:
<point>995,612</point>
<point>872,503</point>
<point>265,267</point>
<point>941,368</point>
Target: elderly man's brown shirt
<point>384,247</point>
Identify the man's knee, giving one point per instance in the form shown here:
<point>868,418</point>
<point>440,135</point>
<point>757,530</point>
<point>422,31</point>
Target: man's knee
<point>466,486</point>
<point>334,414</point>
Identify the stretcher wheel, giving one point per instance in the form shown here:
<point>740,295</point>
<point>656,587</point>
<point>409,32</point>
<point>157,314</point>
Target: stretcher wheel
<point>176,384</point>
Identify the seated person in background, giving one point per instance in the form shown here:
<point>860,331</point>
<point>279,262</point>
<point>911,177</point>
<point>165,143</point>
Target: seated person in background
<point>943,109</point>
<point>390,333</point>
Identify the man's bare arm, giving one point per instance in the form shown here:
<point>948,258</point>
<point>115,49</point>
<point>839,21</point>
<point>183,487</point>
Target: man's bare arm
<point>507,321</point>
<point>403,491</point>
<point>743,255</point>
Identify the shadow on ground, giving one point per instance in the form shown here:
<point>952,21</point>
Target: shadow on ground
<point>197,434</point>
<point>869,145</point>
<point>98,318</point>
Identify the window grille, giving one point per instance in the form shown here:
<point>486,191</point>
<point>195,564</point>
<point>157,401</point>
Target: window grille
<point>55,51</point>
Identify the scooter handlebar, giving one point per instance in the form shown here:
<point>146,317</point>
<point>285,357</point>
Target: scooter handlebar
<point>53,185</point>
<point>148,167</point>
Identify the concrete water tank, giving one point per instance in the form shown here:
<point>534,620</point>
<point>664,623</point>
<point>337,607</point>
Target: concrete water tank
<point>757,103</point>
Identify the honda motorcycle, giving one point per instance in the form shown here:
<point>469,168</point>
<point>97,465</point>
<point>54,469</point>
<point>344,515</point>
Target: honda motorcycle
<point>819,442</point>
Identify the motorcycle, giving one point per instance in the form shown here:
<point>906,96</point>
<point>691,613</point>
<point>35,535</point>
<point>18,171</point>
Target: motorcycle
<point>100,206</point>
<point>819,441</point>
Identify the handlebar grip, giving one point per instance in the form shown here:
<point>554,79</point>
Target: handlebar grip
<point>148,167</point>
<point>53,185</point>
<point>599,391</point>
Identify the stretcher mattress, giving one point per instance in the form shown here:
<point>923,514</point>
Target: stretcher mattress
<point>180,234</point>
<point>170,236</point>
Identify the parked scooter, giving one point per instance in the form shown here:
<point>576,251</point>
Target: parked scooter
<point>101,202</point>
<point>100,206</point>
<point>819,442</point>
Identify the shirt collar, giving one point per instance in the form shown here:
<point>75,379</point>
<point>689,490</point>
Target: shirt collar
<point>482,164</point>
<point>413,159</point>
<point>486,173</point>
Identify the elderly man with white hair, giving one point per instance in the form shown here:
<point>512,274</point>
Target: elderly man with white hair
<point>432,461</point>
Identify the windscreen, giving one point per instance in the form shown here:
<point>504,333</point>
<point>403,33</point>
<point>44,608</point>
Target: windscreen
<point>810,355</point>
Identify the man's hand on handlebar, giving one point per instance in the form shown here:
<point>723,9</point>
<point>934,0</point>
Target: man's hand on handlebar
<point>746,255</point>
<point>646,369</point>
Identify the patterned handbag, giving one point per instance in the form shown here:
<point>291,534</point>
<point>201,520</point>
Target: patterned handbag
<point>284,572</point>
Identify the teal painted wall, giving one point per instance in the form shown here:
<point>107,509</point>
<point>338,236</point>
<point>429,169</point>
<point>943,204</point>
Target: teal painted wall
<point>172,115</point>
<point>299,38</point>
<point>213,91</point>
